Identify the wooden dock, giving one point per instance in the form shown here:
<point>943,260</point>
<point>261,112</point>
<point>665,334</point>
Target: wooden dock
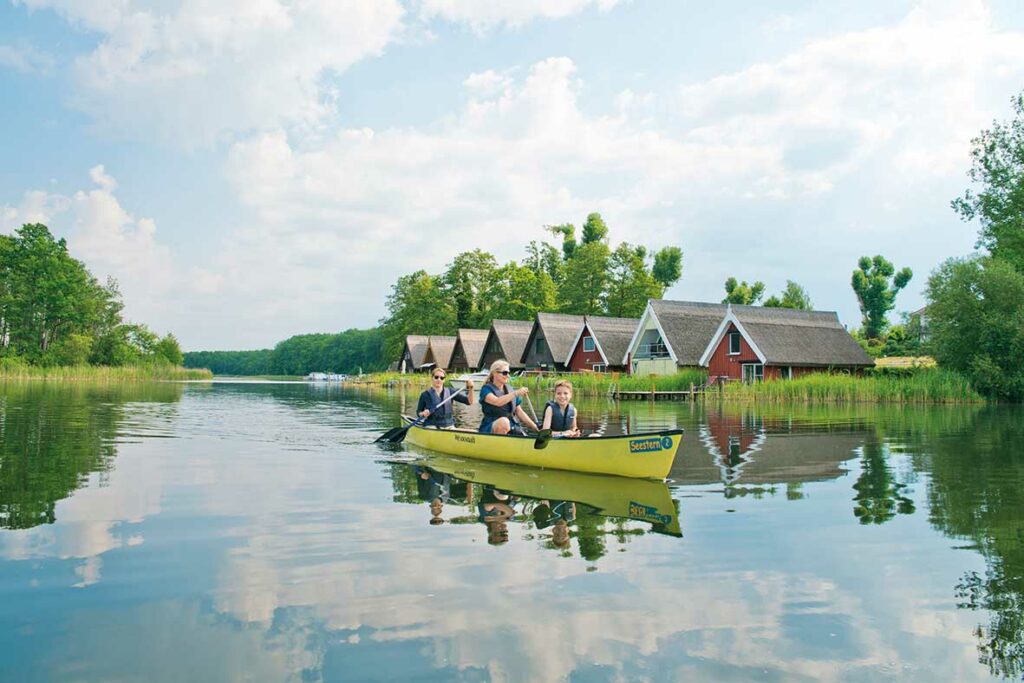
<point>652,395</point>
<point>655,395</point>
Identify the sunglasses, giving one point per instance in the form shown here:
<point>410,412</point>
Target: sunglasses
<point>504,372</point>
<point>438,376</point>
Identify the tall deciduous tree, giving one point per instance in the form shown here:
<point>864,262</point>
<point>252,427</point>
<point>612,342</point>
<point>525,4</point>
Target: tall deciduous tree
<point>742,293</point>
<point>594,229</point>
<point>794,296</point>
<point>668,266</point>
<point>975,323</point>
<point>542,257</point>
<point>416,305</point>
<point>876,283</point>
<point>464,283</point>
<point>630,283</point>
<point>518,293</point>
<point>567,231</point>
<point>582,289</point>
<point>998,167</point>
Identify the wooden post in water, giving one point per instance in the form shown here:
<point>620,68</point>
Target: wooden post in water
<point>693,395</point>
<point>652,391</point>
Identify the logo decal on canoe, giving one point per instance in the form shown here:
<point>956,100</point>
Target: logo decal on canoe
<point>466,439</point>
<point>666,442</point>
<point>647,445</point>
<point>647,513</point>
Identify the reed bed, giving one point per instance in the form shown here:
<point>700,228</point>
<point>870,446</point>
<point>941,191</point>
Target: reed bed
<point>931,386</point>
<point>13,369</point>
<point>600,384</point>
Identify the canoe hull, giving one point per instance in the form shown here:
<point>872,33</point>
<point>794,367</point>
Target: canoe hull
<point>642,456</point>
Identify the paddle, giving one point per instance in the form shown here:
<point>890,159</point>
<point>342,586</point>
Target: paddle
<point>543,437</point>
<point>397,435</point>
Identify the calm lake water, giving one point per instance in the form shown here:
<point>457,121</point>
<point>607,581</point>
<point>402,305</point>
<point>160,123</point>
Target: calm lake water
<point>243,531</point>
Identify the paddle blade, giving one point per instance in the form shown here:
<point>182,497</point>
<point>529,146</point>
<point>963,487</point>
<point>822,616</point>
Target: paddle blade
<point>399,436</point>
<point>386,436</point>
<point>543,437</point>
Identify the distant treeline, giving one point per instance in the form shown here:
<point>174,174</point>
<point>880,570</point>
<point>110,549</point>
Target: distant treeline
<point>347,352</point>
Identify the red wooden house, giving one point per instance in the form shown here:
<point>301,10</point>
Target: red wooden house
<point>601,344</point>
<point>753,343</point>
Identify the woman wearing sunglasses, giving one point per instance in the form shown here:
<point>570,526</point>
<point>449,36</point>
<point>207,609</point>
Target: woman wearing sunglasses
<point>502,412</point>
<point>438,393</point>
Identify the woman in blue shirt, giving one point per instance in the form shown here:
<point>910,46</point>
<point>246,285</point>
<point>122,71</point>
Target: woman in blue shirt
<point>500,405</point>
<point>442,417</point>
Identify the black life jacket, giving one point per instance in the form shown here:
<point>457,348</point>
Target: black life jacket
<point>560,422</point>
<point>440,416</point>
<point>508,410</point>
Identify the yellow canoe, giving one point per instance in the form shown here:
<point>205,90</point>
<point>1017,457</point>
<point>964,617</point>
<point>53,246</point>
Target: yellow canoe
<point>642,456</point>
<point>639,499</point>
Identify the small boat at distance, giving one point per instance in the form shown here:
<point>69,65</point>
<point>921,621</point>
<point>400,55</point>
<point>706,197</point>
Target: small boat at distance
<point>459,383</point>
<point>642,456</point>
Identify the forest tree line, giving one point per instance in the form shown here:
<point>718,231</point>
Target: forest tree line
<point>54,312</point>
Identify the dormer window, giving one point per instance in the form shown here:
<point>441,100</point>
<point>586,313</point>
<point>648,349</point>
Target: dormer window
<point>734,343</point>
<point>588,344</point>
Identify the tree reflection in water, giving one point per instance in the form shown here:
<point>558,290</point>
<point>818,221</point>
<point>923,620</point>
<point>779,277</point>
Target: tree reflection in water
<point>879,495</point>
<point>54,436</point>
<point>977,493</point>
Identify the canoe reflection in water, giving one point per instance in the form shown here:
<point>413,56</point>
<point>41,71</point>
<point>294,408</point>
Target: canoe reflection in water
<point>559,505</point>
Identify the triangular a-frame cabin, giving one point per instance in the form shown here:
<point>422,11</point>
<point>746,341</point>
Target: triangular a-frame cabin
<point>671,335</point>
<point>439,351</point>
<point>469,346</point>
<point>414,353</point>
<point>551,340</point>
<point>506,340</point>
<point>600,344</point>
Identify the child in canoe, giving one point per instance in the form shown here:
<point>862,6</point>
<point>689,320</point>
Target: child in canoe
<point>560,414</point>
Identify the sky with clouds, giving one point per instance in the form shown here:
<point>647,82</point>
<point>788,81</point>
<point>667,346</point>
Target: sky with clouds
<point>253,169</point>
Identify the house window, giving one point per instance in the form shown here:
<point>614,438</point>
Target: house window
<point>494,346</point>
<point>588,344</point>
<point>541,345</point>
<point>734,343</point>
<point>600,367</point>
<point>753,372</point>
<point>786,372</point>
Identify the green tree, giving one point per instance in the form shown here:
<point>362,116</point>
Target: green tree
<point>73,349</point>
<point>794,296</point>
<point>975,319</point>
<point>417,305</point>
<point>594,229</point>
<point>997,157</point>
<point>630,283</point>
<point>168,349</point>
<point>463,284</point>
<point>876,283</point>
<point>586,276</point>
<point>668,266</point>
<point>742,293</point>
<point>567,231</point>
<point>518,293</point>
<point>542,257</point>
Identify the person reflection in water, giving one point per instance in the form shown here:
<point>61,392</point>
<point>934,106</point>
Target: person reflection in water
<point>555,514</point>
<point>434,488</point>
<point>495,509</point>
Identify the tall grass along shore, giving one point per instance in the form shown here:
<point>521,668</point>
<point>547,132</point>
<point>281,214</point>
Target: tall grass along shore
<point>923,386</point>
<point>12,369</point>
